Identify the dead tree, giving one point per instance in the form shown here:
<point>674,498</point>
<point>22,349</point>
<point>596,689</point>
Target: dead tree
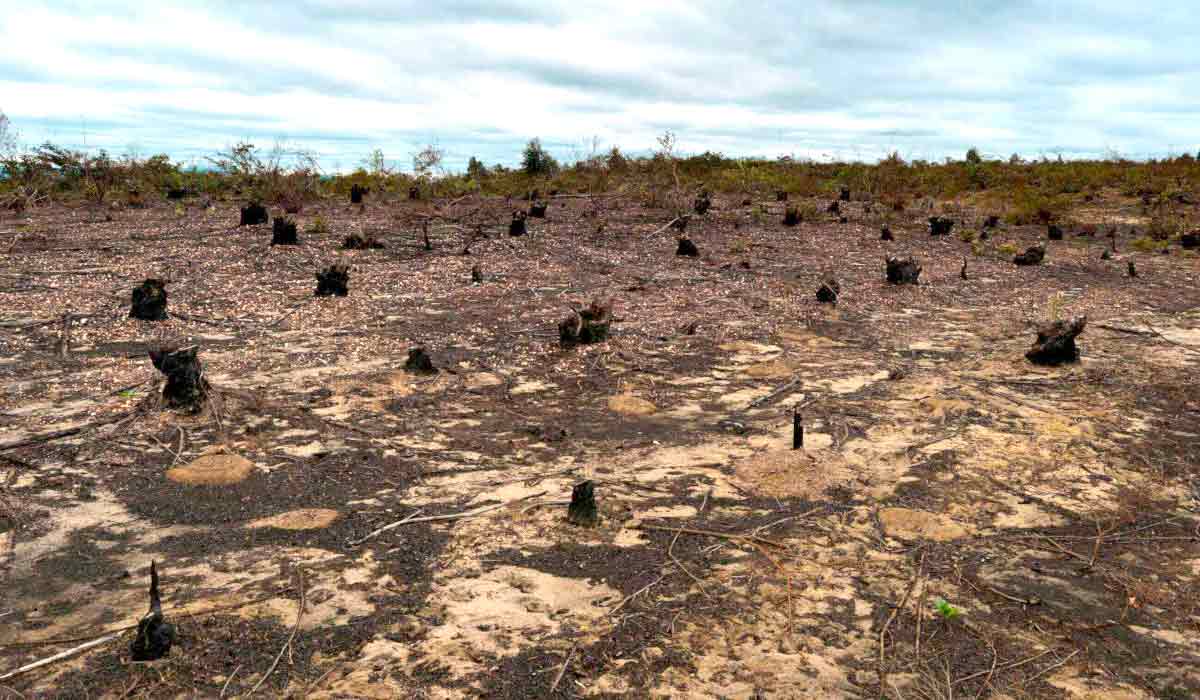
<point>583,511</point>
<point>1032,256</point>
<point>590,325</point>
<point>940,225</point>
<point>333,281</point>
<point>1055,344</point>
<point>517,226</point>
<point>149,301</point>
<point>829,290</point>
<point>687,248</point>
<point>902,270</point>
<point>154,634</point>
<point>253,214</point>
<point>283,232</point>
<point>186,387</point>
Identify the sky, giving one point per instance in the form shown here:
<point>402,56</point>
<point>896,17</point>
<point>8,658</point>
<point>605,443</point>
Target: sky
<point>819,79</point>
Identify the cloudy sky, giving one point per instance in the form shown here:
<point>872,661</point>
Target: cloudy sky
<point>812,78</point>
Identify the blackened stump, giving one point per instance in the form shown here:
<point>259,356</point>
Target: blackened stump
<point>149,301</point>
<point>1190,241</point>
<point>356,241</point>
<point>582,511</point>
<point>414,192</point>
<point>177,193</point>
<point>828,292</point>
<point>1131,268</point>
<point>517,226</point>
<point>797,430</point>
<point>835,207</point>
<point>791,216</point>
<point>1032,256</point>
<point>419,362</point>
<point>537,210</point>
<point>283,232</point>
<point>154,634</point>
<point>885,234</point>
<point>590,325</point>
<point>356,194</point>
<point>844,195</point>
<point>781,196</point>
<point>476,274</point>
<point>940,226</point>
<point>186,387</point>
<point>703,203</point>
<point>991,222</point>
<point>687,248</point>
<point>1054,233</point>
<point>333,281</point>
<point>902,270</point>
<point>253,215</point>
<point>1055,343</point>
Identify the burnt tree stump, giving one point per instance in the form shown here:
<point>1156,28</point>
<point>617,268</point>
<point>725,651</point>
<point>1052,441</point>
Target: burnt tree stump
<point>835,207</point>
<point>154,634</point>
<point>516,227</point>
<point>582,511</point>
<point>1190,241</point>
<point>687,248</point>
<point>590,325</point>
<point>781,195</point>
<point>791,216</point>
<point>1131,268</point>
<point>414,193</point>
<point>476,274</point>
<point>828,292</point>
<point>885,234</point>
<point>253,215</point>
<point>844,195</point>
<point>537,210</point>
<point>149,301</point>
<point>991,222</point>
<point>356,194</point>
<point>1055,344</point>
<point>1032,256</point>
<point>419,362</point>
<point>357,241</point>
<point>333,281</point>
<point>177,193</point>
<point>902,270</point>
<point>940,226</point>
<point>186,387</point>
<point>1054,233</point>
<point>702,203</point>
<point>283,232</point>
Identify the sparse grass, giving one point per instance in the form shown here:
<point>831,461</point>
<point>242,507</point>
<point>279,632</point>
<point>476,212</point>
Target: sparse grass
<point>1007,248</point>
<point>1147,244</point>
<point>318,225</point>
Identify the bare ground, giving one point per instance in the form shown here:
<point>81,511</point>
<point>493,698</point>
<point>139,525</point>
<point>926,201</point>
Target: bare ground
<point>1054,509</point>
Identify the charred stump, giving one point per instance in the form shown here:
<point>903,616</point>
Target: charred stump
<point>154,634</point>
<point>1055,343</point>
<point>1054,233</point>
<point>835,207</point>
<point>1190,241</point>
<point>828,292</point>
<point>356,194</point>
<point>537,210</point>
<point>885,234</point>
<point>186,387</point>
<point>283,232</point>
<point>582,511</point>
<point>1032,256</point>
<point>149,301</point>
<point>476,274</point>
<point>844,195</point>
<point>940,226</point>
<point>177,193</point>
<point>991,222</point>
<point>414,193</point>
<point>517,226</point>
<point>333,281</point>
<point>791,216</point>
<point>902,270</point>
<point>687,248</point>
<point>781,195</point>
<point>1131,268</point>
<point>590,325</point>
<point>253,215</point>
<point>419,362</point>
<point>702,203</point>
<point>356,241</point>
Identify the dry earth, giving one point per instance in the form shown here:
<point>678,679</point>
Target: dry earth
<point>1056,510</point>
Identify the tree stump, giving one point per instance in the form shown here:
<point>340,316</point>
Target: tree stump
<point>940,226</point>
<point>154,634</point>
<point>582,511</point>
<point>517,226</point>
<point>1190,241</point>
<point>1131,268</point>
<point>1055,344</point>
<point>253,215</point>
<point>590,325</point>
<point>186,387</point>
<point>333,281</point>
<point>414,193</point>
<point>356,194</point>
<point>149,301</point>
<point>1054,233</point>
<point>902,270</point>
<point>419,362</point>
<point>176,193</point>
<point>356,241</point>
<point>687,248</point>
<point>283,232</point>
<point>885,234</point>
<point>991,222</point>
<point>791,216</point>
<point>828,292</point>
<point>1032,256</point>
<point>537,210</point>
<point>702,203</point>
<point>844,195</point>
<point>476,274</point>
<point>781,195</point>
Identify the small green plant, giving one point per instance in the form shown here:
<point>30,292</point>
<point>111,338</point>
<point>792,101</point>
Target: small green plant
<point>966,235</point>
<point>943,607</point>
<point>318,225</point>
<point>127,393</point>
<point>179,210</point>
<point>1007,248</point>
<point>977,248</point>
<point>739,246</point>
<point>1054,309</point>
<point>1146,244</point>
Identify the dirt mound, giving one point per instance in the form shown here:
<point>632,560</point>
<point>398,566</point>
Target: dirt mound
<point>906,524</point>
<point>303,519</point>
<point>213,470</point>
<point>630,405</point>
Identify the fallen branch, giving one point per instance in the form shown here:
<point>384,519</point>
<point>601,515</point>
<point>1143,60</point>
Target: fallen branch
<point>291,637</point>
<point>60,656</point>
<point>712,533</point>
<point>448,516</point>
<point>763,399</point>
<point>562,670</point>
<point>59,434</point>
<point>892,618</point>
